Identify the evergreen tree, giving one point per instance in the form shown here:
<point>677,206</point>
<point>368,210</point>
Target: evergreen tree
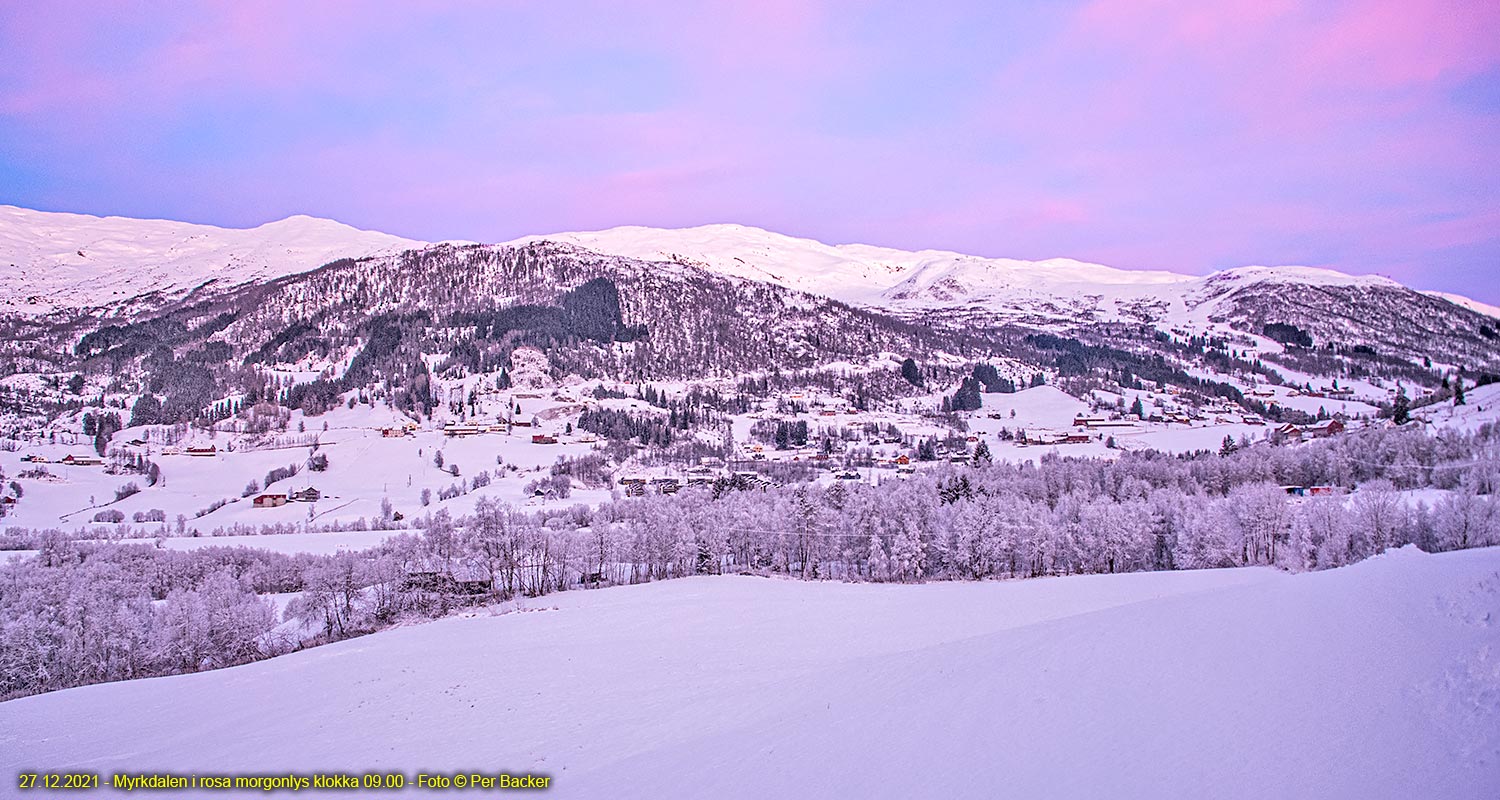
<point>911,372</point>
<point>1458,392</point>
<point>146,411</point>
<point>1401,409</point>
<point>967,398</point>
<point>927,450</point>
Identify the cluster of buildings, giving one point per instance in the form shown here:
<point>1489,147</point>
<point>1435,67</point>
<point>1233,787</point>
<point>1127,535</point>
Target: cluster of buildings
<point>1317,430</point>
<point>277,499</point>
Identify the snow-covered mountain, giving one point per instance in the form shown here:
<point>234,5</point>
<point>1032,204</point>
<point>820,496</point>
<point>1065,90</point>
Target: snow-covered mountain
<point>922,280</point>
<point>66,261</point>
<point>51,261</point>
<point>1469,303</point>
<point>935,286</point>
<point>123,270</point>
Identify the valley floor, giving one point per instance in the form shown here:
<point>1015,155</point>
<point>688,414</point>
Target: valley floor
<point>1372,681</point>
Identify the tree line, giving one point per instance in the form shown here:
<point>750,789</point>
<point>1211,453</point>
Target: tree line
<point>82,612</point>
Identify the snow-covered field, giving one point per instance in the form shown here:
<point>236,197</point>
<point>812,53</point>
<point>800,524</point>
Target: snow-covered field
<point>1372,681</point>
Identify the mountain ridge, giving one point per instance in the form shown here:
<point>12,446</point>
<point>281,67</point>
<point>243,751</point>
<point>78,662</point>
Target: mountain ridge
<point>56,261</point>
<point>60,256</point>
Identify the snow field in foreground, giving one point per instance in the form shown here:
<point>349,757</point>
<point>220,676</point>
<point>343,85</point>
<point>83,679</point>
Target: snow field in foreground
<point>1377,680</point>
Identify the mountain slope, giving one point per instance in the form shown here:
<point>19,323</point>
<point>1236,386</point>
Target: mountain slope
<point>51,261</point>
<point>1373,681</point>
<point>1345,310</point>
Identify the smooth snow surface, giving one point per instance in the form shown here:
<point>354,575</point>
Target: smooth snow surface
<point>52,260</point>
<point>1380,680</point>
<point>890,278</point>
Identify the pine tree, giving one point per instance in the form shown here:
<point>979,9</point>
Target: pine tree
<point>911,372</point>
<point>1228,447</point>
<point>1458,392</point>
<point>1401,409</point>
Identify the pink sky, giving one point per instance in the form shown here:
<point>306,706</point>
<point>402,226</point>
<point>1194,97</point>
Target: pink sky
<point>1141,133</point>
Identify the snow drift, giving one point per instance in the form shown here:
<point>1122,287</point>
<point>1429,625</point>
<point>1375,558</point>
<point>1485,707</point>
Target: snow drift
<point>1377,680</point>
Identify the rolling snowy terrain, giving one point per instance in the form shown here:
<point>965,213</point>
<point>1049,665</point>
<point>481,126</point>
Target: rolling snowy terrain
<point>1378,680</point>
<point>61,261</point>
<point>899,279</point>
<point>51,261</point>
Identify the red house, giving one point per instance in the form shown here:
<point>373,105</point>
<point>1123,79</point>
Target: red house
<point>269,500</point>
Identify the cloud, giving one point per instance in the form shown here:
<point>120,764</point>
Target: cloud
<point>1146,133</point>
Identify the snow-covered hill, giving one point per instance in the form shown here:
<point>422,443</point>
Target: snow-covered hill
<point>1469,303</point>
<point>57,260</point>
<point>52,261</point>
<point>897,279</point>
<point>1373,681</point>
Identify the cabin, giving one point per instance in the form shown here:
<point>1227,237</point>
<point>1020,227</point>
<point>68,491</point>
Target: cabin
<point>462,579</point>
<point>269,501</point>
<point>203,452</point>
<point>1040,436</point>
<point>902,461</point>
<point>847,475</point>
<point>635,485</point>
<point>666,485</point>
<point>542,438</point>
<point>1308,491</point>
<point>82,461</point>
<point>1324,429</point>
<point>1078,438</point>
<point>460,430</point>
<point>308,495</point>
<point>392,433</point>
<point>1081,421</point>
<point>1290,431</point>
